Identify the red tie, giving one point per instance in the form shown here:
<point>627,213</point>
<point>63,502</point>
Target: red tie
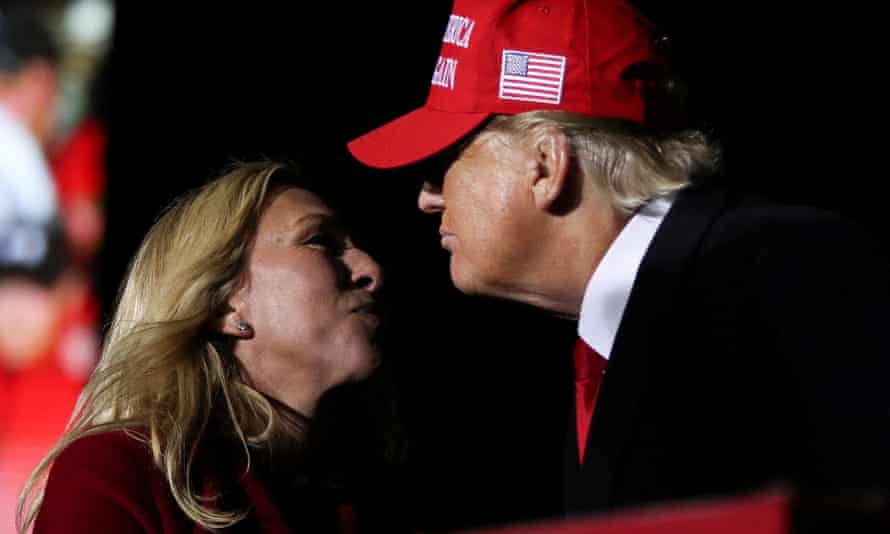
<point>589,369</point>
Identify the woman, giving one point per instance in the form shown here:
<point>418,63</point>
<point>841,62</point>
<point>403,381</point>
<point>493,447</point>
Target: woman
<point>244,306</point>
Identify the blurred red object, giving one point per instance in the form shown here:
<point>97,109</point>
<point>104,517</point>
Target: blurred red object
<point>79,169</point>
<point>49,339</point>
<point>79,166</point>
<point>768,512</point>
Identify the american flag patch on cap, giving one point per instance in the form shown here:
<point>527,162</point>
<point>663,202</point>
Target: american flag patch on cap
<point>532,77</point>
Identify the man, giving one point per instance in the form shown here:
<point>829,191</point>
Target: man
<point>30,234</point>
<point>28,89</point>
<point>724,343</point>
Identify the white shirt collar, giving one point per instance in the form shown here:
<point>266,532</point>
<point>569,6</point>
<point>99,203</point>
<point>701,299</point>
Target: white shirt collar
<point>609,288</point>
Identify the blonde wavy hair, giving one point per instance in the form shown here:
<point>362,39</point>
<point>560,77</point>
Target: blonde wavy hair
<point>628,164</point>
<point>165,375</point>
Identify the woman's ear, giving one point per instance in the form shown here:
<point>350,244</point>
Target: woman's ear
<point>551,150</point>
<point>234,321</point>
<point>231,323</point>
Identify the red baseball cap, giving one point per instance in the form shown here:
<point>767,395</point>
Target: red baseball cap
<point>508,57</point>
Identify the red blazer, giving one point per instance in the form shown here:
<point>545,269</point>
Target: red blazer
<point>108,483</point>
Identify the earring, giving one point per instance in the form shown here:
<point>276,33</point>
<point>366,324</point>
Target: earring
<point>242,327</point>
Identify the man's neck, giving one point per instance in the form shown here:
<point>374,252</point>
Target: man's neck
<point>564,262</point>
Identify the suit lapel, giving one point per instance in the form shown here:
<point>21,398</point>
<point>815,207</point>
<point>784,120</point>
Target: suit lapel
<point>657,284</point>
<point>571,466</point>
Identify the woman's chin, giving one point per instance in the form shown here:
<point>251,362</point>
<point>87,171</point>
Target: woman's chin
<point>371,363</point>
<point>365,362</point>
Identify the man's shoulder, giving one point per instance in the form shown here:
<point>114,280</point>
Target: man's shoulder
<point>759,221</point>
<point>753,243</point>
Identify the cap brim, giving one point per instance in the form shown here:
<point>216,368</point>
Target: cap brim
<point>413,137</point>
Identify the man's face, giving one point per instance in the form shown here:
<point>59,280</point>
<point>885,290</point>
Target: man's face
<point>483,201</point>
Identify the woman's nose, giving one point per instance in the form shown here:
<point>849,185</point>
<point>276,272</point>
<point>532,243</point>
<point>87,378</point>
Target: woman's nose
<point>364,271</point>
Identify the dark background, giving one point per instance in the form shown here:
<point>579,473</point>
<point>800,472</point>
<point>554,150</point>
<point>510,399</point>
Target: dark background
<point>484,385</point>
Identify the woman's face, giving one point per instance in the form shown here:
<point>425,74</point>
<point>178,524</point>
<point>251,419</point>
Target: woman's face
<point>308,299</point>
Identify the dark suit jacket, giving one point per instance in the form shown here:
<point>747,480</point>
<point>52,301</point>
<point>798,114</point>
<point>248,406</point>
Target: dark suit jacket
<point>753,349</point>
<point>108,483</point>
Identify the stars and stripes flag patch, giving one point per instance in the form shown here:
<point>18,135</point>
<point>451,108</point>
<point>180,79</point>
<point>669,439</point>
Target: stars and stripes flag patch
<point>531,77</point>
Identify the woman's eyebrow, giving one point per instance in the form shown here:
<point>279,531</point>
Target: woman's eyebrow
<point>326,222</point>
<point>320,219</point>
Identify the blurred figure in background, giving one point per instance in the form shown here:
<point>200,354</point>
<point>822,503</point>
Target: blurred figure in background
<point>28,89</point>
<point>30,258</point>
<point>78,165</point>
<point>50,228</point>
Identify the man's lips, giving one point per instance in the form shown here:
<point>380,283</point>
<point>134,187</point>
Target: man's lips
<point>447,237</point>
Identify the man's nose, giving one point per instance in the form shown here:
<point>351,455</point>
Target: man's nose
<point>430,199</point>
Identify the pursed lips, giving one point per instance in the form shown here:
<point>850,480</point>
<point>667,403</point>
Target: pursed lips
<point>369,311</point>
<point>446,237</point>
<point>366,307</point>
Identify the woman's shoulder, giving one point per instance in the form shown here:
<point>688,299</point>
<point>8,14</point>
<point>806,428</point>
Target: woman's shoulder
<point>102,483</point>
<point>116,454</point>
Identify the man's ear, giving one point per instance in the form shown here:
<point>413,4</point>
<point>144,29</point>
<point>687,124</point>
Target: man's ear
<point>552,155</point>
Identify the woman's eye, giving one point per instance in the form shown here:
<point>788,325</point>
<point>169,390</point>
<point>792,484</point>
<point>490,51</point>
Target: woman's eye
<point>324,241</point>
<point>319,240</point>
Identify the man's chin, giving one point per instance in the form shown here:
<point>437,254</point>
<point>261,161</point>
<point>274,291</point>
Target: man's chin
<point>465,281</point>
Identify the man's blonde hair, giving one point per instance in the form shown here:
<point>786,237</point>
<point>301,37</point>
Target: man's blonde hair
<point>630,166</point>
